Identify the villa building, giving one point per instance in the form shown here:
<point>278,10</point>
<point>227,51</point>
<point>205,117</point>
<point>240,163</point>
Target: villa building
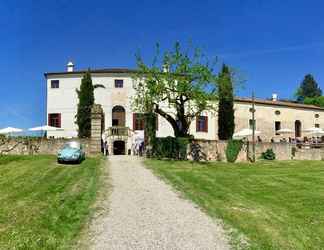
<point>122,123</point>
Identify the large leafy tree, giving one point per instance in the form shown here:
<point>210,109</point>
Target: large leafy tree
<point>86,101</point>
<point>226,123</point>
<point>308,88</point>
<point>178,86</point>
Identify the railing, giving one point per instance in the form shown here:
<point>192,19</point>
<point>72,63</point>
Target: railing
<point>118,131</point>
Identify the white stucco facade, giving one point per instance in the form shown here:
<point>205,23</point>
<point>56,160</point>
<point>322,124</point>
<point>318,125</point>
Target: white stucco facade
<point>63,100</point>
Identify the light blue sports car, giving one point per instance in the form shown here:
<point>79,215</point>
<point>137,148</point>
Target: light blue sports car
<point>71,152</point>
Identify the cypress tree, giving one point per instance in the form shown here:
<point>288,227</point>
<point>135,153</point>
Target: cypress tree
<point>226,123</point>
<point>86,101</point>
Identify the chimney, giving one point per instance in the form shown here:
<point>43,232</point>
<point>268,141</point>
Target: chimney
<point>70,66</point>
<point>274,97</point>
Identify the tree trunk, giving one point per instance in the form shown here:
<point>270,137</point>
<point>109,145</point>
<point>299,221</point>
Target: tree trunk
<point>178,131</point>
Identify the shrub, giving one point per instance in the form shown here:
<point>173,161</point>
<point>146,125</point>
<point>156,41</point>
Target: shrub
<point>233,149</point>
<point>182,145</point>
<point>164,147</point>
<point>170,147</point>
<point>268,154</point>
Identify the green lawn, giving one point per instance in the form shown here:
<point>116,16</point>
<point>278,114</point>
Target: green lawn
<point>44,205</point>
<point>275,205</point>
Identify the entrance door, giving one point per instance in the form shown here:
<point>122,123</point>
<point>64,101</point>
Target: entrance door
<point>119,147</point>
<point>298,128</point>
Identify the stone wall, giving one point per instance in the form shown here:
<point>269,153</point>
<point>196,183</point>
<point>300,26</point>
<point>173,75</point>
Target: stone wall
<point>215,150</point>
<point>37,146</point>
<point>31,146</point>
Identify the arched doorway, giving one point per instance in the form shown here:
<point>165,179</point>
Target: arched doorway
<point>298,127</point>
<point>118,116</point>
<point>119,148</point>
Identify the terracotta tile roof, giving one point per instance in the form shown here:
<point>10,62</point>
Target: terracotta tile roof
<point>278,103</point>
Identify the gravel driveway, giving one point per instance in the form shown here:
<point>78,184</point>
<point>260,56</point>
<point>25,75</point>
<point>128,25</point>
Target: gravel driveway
<point>145,213</point>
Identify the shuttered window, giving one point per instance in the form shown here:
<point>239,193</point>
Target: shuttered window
<point>138,121</point>
<point>54,120</point>
<point>202,124</point>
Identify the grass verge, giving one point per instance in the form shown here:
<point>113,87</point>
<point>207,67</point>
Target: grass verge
<point>44,205</point>
<point>276,205</point>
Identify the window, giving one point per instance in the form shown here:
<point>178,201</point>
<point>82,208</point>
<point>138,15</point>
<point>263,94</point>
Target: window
<point>202,124</point>
<point>54,120</point>
<point>55,84</point>
<point>317,125</point>
<point>251,124</point>
<point>277,127</point>
<point>316,115</point>
<point>119,83</point>
<point>118,116</point>
<point>277,112</point>
<point>138,121</point>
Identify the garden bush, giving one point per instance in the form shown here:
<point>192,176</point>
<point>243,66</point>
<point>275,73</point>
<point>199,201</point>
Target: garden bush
<point>268,154</point>
<point>170,147</point>
<point>182,144</point>
<point>233,149</point>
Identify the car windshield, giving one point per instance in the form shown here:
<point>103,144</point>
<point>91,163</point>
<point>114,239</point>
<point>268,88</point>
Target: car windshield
<point>72,144</point>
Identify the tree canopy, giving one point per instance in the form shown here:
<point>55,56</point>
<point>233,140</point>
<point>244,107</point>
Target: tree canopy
<point>178,86</point>
<point>317,101</point>
<point>308,88</point>
<point>226,123</point>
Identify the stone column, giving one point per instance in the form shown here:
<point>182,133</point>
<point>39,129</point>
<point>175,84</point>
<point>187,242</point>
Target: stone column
<point>96,129</point>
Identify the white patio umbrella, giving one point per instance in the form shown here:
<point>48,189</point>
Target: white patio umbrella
<point>312,130</point>
<point>45,128</point>
<point>245,133</point>
<point>315,131</point>
<point>285,131</point>
<point>10,130</point>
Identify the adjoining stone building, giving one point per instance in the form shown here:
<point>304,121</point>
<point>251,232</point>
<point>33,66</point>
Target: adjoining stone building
<point>121,123</point>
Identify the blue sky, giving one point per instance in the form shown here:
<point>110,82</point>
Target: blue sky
<point>272,43</point>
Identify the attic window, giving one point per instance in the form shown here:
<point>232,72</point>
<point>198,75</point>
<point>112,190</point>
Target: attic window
<point>277,112</point>
<point>119,83</point>
<point>55,84</point>
<point>316,115</point>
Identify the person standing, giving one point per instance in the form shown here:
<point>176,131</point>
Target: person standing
<point>106,148</point>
